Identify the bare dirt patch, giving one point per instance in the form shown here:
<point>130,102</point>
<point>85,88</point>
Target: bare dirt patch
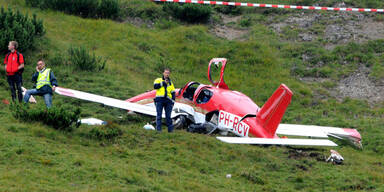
<point>224,30</point>
<point>301,154</point>
<point>229,33</point>
<point>358,85</point>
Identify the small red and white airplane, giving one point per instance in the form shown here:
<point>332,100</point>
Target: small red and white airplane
<point>216,108</point>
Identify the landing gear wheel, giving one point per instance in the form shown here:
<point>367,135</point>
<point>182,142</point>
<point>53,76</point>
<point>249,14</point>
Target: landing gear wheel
<point>179,122</point>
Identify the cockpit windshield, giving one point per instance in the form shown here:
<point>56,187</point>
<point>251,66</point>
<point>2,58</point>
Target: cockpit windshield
<point>190,90</point>
<point>204,96</point>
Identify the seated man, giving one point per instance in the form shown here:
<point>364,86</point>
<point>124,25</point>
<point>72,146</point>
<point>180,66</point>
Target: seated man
<point>45,84</point>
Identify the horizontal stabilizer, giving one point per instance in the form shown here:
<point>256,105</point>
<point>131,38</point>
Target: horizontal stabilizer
<point>301,130</point>
<point>351,135</point>
<point>273,141</point>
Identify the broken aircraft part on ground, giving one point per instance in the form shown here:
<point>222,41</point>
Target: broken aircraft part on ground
<point>92,121</point>
<point>335,157</point>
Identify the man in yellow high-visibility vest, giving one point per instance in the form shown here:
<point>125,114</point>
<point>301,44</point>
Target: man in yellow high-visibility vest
<point>165,99</point>
<point>45,84</point>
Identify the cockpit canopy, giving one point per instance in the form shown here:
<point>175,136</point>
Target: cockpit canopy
<point>189,90</point>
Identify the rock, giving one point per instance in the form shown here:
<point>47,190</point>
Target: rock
<point>306,37</point>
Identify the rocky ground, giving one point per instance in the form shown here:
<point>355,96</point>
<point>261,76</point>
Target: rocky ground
<point>334,28</point>
<point>337,29</point>
<point>358,85</point>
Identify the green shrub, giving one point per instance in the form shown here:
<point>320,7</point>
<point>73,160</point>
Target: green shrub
<point>80,58</point>
<point>143,9</point>
<point>233,10</point>
<point>190,13</point>
<point>58,117</point>
<point>84,8</point>
<point>106,132</point>
<point>15,26</point>
<point>378,69</point>
<point>379,18</point>
<point>109,9</point>
<point>245,22</point>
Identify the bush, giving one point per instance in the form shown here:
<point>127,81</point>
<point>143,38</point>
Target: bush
<point>81,58</point>
<point>109,9</point>
<point>245,22</point>
<point>143,9</point>
<point>84,8</point>
<point>232,10</point>
<point>58,117</point>
<point>106,132</point>
<point>20,28</point>
<point>191,13</point>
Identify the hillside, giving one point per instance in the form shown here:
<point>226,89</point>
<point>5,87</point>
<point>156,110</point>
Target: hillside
<point>36,157</point>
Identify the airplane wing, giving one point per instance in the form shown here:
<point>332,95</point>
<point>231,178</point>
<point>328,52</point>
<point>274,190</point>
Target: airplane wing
<point>351,135</point>
<point>147,110</point>
<point>267,141</point>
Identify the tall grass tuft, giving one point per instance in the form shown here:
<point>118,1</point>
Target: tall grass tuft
<point>82,59</point>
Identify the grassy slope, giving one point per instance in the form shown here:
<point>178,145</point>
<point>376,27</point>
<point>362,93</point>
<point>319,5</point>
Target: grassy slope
<point>37,158</point>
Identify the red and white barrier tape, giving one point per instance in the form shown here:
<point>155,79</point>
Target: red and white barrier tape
<point>272,5</point>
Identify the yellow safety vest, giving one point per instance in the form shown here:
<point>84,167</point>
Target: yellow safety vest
<point>44,78</point>
<point>161,91</point>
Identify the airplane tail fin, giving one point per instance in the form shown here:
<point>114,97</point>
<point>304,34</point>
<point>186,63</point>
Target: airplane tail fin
<point>273,110</point>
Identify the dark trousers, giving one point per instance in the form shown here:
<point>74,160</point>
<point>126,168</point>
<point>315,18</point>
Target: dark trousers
<point>167,105</point>
<point>15,82</point>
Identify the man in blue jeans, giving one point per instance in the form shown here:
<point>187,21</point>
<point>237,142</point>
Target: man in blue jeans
<point>45,84</point>
<point>165,99</point>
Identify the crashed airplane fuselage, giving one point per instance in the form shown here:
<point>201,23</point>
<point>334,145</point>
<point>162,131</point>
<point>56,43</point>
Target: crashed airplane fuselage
<point>231,111</point>
<point>216,108</point>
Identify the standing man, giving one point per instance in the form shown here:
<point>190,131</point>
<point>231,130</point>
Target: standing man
<point>165,98</point>
<point>14,66</point>
<point>45,84</point>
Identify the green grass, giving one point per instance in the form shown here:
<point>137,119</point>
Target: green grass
<point>35,157</point>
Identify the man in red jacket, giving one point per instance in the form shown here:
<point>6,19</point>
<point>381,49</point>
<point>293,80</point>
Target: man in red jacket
<point>14,65</point>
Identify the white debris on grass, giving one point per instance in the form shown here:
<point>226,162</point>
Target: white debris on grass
<point>149,127</point>
<point>92,121</point>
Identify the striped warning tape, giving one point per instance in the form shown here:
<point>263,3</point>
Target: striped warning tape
<point>272,5</point>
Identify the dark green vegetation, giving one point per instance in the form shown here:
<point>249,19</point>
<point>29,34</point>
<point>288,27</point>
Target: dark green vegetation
<point>83,8</point>
<point>105,132</point>
<point>36,157</point>
<point>15,25</point>
<point>58,117</point>
<point>83,60</point>
<point>189,12</point>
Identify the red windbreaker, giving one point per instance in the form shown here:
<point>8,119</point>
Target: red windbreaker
<point>13,60</point>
